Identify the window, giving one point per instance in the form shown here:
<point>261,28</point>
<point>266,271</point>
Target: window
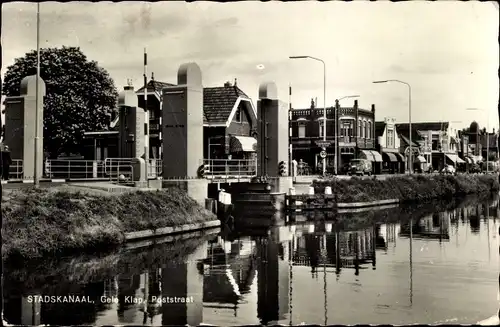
<point>302,131</point>
<point>390,138</point>
<point>369,130</point>
<point>360,125</point>
<point>321,127</point>
<point>363,131</point>
<point>237,116</point>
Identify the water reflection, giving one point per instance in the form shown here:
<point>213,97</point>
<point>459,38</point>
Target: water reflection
<point>394,266</point>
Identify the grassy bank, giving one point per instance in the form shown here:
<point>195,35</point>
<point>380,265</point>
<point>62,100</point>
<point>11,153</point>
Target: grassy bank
<point>39,222</point>
<point>408,188</point>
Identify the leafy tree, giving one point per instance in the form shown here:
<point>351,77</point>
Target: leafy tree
<point>80,95</point>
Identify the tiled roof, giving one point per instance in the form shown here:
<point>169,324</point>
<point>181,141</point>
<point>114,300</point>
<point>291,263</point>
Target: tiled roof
<point>218,102</point>
<point>379,128</point>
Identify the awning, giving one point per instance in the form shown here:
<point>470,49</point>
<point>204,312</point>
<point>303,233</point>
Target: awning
<point>454,158</point>
<point>365,154</point>
<point>243,144</point>
<point>400,157</point>
<point>390,156</point>
<point>376,156</point>
<point>420,159</point>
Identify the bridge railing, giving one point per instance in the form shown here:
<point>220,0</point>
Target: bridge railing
<point>16,169</point>
<point>230,168</point>
<point>155,168</point>
<point>119,169</point>
<point>73,168</point>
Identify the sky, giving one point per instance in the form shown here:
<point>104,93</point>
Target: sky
<point>447,51</point>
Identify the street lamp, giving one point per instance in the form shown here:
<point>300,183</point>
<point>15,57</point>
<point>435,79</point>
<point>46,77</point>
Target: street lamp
<point>324,99</point>
<point>410,160</point>
<point>336,134</point>
<point>36,178</point>
<point>487,135</point>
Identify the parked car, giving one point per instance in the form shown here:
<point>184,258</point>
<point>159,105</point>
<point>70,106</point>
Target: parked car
<point>360,167</point>
<point>448,169</point>
<point>344,170</point>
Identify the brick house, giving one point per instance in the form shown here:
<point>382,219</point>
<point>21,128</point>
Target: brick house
<point>356,134</point>
<point>229,121</point>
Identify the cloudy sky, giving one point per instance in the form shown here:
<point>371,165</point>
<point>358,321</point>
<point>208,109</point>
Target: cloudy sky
<point>448,51</point>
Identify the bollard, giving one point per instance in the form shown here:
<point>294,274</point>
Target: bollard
<point>328,190</point>
<point>311,190</point>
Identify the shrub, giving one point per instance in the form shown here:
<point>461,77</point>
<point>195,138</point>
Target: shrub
<point>407,188</point>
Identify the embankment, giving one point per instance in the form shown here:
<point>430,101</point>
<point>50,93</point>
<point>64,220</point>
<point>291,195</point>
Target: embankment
<point>41,222</point>
<point>408,188</point>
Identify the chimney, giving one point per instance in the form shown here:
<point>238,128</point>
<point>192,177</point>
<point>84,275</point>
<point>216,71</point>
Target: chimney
<point>235,82</point>
<point>355,103</point>
<point>373,108</point>
<point>152,76</point>
<point>227,84</point>
<point>129,85</point>
<point>312,103</point>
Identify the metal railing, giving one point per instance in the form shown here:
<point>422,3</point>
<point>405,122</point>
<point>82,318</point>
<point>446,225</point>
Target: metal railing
<point>119,169</point>
<point>16,169</point>
<point>230,168</point>
<point>75,169</point>
<point>155,168</point>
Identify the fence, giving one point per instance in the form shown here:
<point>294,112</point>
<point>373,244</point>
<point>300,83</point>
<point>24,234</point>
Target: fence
<point>230,168</point>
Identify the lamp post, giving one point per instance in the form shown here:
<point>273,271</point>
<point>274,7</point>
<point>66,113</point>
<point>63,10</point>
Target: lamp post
<point>410,161</point>
<point>324,99</point>
<point>36,178</point>
<point>336,133</point>
<point>487,135</point>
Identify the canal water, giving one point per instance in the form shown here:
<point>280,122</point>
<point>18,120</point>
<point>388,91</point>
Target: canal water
<point>434,264</point>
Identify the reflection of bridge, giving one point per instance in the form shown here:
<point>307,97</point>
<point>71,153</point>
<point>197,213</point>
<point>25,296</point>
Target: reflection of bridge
<point>435,226</point>
<point>346,249</point>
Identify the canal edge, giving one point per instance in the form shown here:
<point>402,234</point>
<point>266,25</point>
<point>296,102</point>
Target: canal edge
<point>132,236</point>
